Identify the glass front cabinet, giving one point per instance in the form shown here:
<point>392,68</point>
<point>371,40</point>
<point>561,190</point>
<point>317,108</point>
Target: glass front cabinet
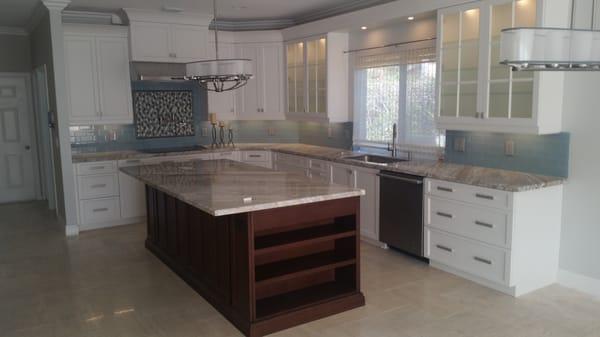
<point>475,91</point>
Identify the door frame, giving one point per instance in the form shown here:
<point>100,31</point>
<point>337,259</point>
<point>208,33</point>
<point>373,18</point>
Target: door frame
<point>31,120</point>
<point>46,156</point>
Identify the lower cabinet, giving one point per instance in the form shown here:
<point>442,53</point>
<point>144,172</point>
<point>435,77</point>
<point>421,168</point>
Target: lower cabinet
<point>132,193</point>
<point>369,203</point>
<point>496,238</point>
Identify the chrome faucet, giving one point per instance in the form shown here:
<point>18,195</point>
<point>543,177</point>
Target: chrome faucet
<point>393,149</point>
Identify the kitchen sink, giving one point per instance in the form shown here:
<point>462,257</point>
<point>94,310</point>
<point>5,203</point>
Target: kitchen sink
<point>375,159</point>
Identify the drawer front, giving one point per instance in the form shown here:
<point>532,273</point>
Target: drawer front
<point>231,155</point>
<point>99,210</point>
<point>480,260</point>
<point>98,186</point>
<point>130,162</point>
<point>317,174</point>
<point>320,165</point>
<point>479,223</point>
<point>289,168</point>
<point>100,167</point>
<point>470,194</point>
<point>255,156</point>
<point>292,160</point>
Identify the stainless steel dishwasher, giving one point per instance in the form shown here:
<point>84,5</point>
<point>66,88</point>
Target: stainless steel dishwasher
<point>401,212</point>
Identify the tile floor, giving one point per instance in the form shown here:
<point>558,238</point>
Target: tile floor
<point>105,284</point>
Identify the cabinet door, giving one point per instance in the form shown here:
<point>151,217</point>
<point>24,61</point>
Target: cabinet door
<point>460,62</point>
<point>342,176</point>
<point>369,206</point>
<point>189,43</point>
<point>223,103</point>
<point>247,96</point>
<point>150,42</point>
<point>114,80</point>
<point>270,91</point>
<point>295,77</point>
<point>316,63</point>
<point>132,193</point>
<point>510,93</point>
<point>80,62</point>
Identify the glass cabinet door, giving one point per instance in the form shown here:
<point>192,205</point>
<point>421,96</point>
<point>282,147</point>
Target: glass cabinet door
<point>316,56</point>
<point>510,93</point>
<point>295,77</point>
<point>460,59</point>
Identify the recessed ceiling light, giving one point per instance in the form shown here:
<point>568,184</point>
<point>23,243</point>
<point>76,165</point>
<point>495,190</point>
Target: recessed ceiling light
<point>363,27</point>
<point>410,18</point>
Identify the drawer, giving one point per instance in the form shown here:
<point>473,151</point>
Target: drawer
<point>465,255</point>
<point>255,156</point>
<point>292,160</point>
<point>320,165</point>
<point>130,162</point>
<point>289,168</point>
<point>99,167</point>
<point>470,194</point>
<point>231,155</point>
<point>317,174</point>
<point>98,186</point>
<point>480,223</point>
<point>99,210</point>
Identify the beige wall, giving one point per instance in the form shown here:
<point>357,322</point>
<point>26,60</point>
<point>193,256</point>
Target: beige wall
<point>15,54</point>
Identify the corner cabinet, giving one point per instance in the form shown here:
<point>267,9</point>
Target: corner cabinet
<point>476,92</point>
<point>315,70</point>
<point>97,71</point>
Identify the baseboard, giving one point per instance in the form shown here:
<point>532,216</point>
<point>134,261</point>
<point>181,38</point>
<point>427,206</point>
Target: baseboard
<point>585,284</point>
<point>72,230</point>
<point>120,222</point>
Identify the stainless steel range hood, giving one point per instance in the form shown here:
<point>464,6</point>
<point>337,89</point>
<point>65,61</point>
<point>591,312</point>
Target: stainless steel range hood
<point>154,71</point>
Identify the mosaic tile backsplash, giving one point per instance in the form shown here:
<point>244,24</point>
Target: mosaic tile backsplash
<point>163,114</point>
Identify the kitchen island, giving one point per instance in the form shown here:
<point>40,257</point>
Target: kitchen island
<point>268,249</point>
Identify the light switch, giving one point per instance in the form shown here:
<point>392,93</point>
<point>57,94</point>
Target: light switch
<point>509,147</point>
<point>204,132</point>
<point>459,144</point>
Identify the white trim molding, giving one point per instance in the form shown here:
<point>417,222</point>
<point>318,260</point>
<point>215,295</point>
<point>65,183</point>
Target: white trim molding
<point>57,5</point>
<point>579,282</point>
<point>13,31</point>
<point>72,230</point>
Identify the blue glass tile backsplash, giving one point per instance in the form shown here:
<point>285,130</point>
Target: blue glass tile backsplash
<point>545,154</point>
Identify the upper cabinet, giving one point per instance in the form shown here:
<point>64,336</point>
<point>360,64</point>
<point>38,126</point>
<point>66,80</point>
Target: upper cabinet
<point>167,37</point>
<point>97,71</point>
<point>315,69</point>
<point>476,92</point>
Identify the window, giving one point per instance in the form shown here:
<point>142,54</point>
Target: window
<point>396,88</point>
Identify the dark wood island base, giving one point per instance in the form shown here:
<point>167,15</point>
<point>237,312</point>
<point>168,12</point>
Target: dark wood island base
<point>268,270</point>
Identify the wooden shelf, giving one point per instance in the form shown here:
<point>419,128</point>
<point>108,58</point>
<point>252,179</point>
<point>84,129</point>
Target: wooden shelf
<point>273,243</point>
<point>288,269</point>
<point>299,299</point>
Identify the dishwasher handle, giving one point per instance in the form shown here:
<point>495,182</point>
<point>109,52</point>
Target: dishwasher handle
<point>407,180</point>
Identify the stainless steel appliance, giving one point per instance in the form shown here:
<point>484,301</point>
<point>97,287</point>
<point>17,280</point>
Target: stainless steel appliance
<point>401,212</point>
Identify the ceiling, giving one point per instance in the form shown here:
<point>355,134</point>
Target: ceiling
<point>16,13</point>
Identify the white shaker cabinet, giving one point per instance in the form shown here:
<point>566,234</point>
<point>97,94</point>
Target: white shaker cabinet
<point>132,192</point>
<point>369,203</point>
<point>97,71</point>
<point>476,92</point>
<point>223,103</point>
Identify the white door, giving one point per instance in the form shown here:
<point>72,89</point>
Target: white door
<point>114,79</point>
<point>80,61</point>
<point>271,68</point>
<point>17,177</point>
<point>248,102</point>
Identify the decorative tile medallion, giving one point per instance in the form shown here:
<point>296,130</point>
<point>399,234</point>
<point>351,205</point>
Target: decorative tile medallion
<point>163,114</point>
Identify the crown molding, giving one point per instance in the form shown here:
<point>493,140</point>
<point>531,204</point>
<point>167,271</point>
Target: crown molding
<point>348,7</point>
<point>245,25</point>
<point>88,17</point>
<point>13,31</point>
<point>190,18</point>
<point>56,5</point>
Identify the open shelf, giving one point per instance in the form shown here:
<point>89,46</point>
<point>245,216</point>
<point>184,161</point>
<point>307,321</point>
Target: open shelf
<point>282,241</point>
<point>299,299</point>
<point>288,269</point>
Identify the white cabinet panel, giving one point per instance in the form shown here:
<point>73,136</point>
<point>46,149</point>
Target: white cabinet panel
<point>80,61</point>
<point>271,69</point>
<point>114,79</point>
<point>189,43</point>
<point>248,95</point>
<point>98,186</point>
<point>132,193</point>
<point>369,205</point>
<point>150,41</point>
<point>342,175</point>
<point>223,103</point>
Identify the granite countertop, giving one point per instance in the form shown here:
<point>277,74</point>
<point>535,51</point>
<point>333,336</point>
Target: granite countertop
<point>512,181</point>
<point>219,187</point>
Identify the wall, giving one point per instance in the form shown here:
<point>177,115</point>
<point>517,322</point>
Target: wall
<point>41,54</point>
<point>15,53</point>
<point>581,215</point>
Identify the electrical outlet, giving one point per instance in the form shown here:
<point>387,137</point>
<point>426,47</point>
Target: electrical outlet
<point>330,132</point>
<point>509,147</point>
<point>460,144</point>
<point>204,132</point>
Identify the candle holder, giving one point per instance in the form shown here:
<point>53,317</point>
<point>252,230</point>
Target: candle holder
<point>214,135</point>
<point>230,137</point>
<point>222,135</point>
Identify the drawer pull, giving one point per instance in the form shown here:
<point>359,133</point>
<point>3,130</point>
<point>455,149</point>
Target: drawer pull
<point>450,250</point>
<point>254,155</point>
<point>484,196</point>
<point>445,189</point>
<point>482,260</point>
<point>445,215</point>
<point>98,186</point>
<point>484,224</point>
<point>133,161</point>
<point>96,210</point>
<point>95,168</point>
